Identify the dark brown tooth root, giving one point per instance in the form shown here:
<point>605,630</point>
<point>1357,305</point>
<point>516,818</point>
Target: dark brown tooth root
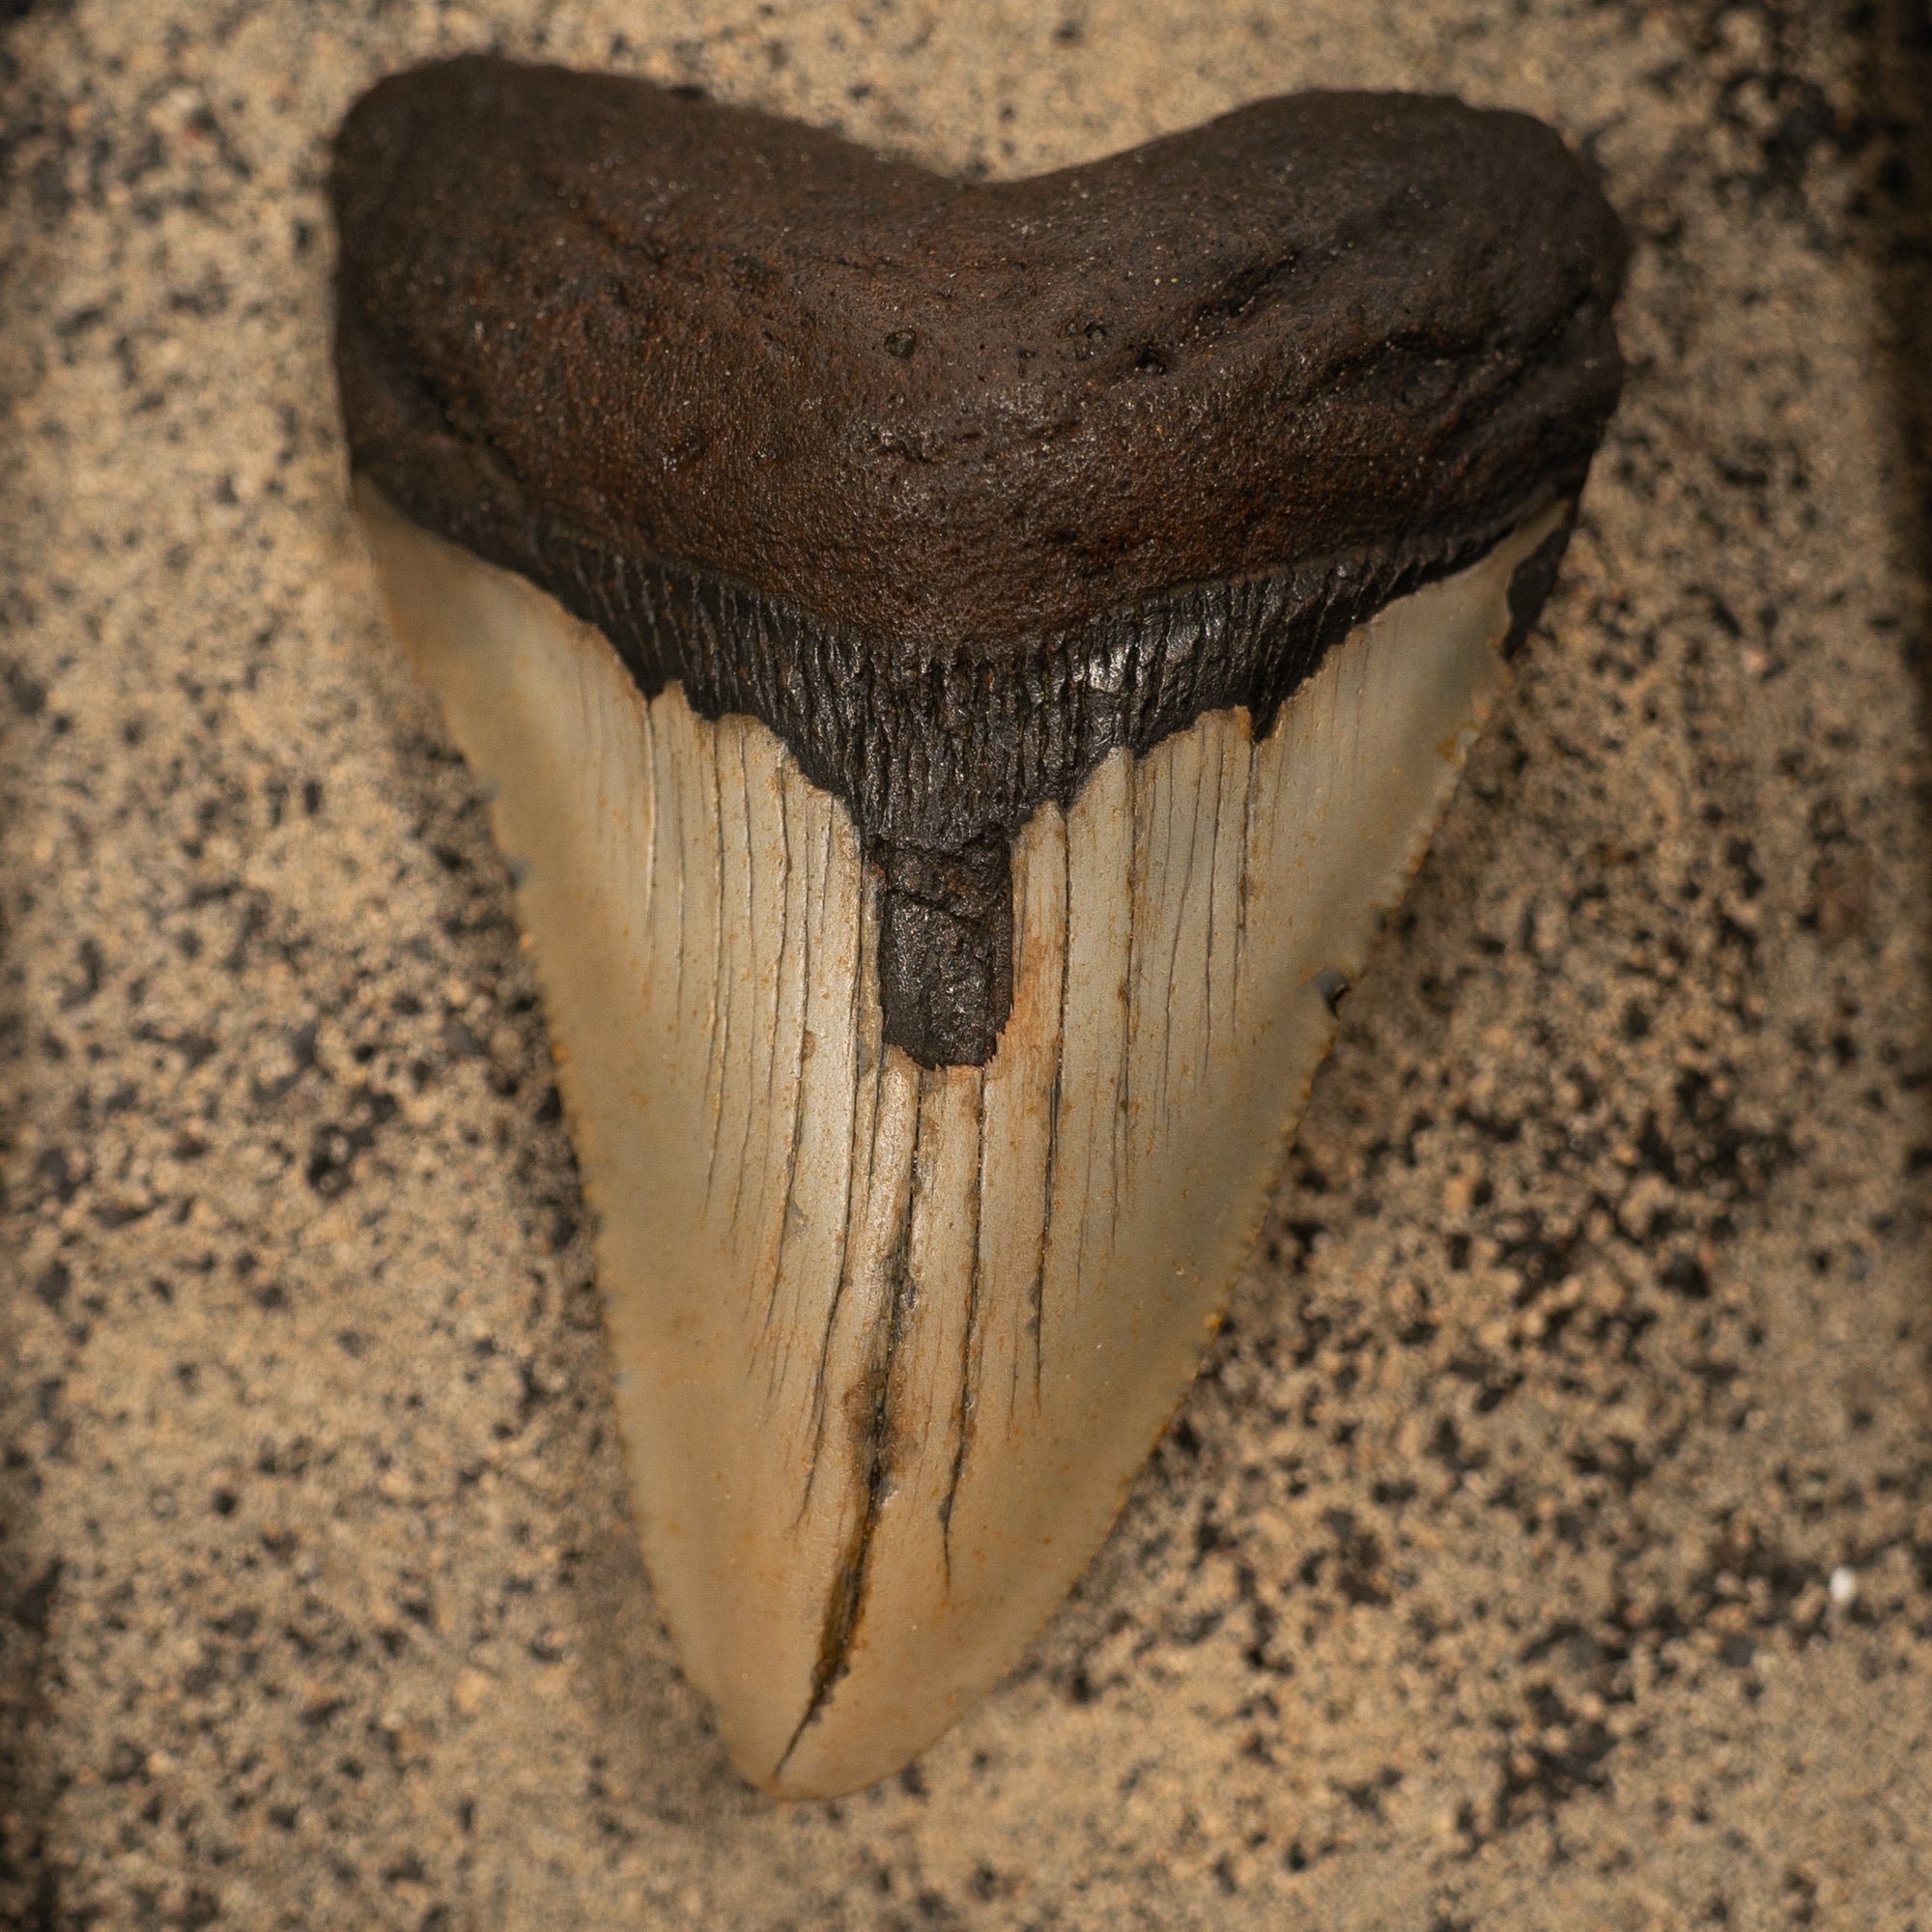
<point>958,487</point>
<point>962,672</point>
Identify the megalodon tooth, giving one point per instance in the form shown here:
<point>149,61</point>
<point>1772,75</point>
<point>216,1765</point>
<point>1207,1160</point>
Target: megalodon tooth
<point>962,670</point>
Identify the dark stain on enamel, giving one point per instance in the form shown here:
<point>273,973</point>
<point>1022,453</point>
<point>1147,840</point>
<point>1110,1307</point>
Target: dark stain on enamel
<point>1146,436</point>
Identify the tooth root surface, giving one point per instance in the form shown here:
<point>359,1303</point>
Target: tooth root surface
<point>890,1343</point>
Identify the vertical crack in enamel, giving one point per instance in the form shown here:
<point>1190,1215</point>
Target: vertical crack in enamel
<point>1241,878</point>
<point>859,1216</point>
<point>1207,962</point>
<point>722,986</point>
<point>796,1144</point>
<point>891,1343</point>
<point>763,1036</point>
<point>1136,938</point>
<point>873,1403</point>
<point>969,1358</point>
<point>1056,1094</point>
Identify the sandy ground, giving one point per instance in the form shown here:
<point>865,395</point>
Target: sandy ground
<point>1548,1542</point>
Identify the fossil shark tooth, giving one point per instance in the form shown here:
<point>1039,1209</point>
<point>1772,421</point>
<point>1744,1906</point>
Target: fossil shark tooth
<point>963,670</point>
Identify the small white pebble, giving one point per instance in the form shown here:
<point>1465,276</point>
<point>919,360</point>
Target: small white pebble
<point>1843,1585</point>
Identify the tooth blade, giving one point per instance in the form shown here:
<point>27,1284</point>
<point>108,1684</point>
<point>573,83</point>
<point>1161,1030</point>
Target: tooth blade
<point>890,1343</point>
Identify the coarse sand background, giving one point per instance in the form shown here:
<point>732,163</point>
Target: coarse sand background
<point>1548,1542</point>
